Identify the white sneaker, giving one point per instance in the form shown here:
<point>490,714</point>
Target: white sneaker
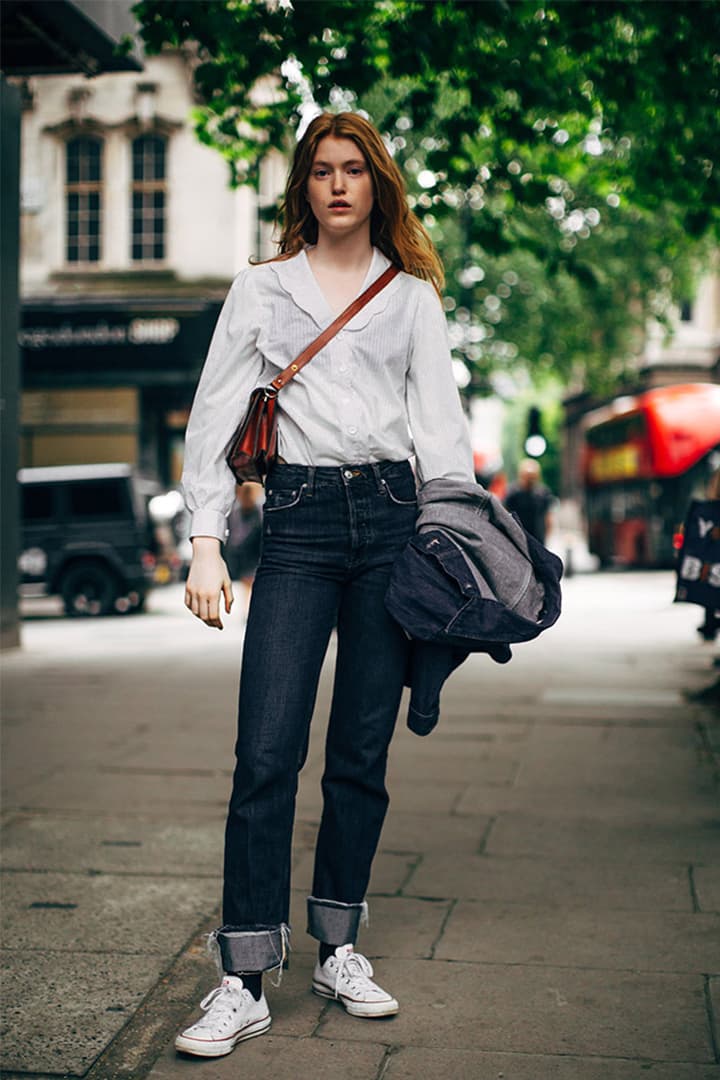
<point>231,1015</point>
<point>347,976</point>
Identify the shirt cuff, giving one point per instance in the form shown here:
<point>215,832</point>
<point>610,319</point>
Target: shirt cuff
<point>209,523</point>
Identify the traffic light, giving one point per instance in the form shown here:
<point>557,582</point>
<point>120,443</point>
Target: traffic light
<point>535,441</point>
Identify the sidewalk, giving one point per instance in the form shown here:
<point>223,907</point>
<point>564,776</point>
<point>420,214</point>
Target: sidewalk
<point>545,902</point>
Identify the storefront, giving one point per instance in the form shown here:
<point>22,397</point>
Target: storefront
<point>111,380</point>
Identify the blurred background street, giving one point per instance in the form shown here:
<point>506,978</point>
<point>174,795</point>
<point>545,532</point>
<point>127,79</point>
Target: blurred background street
<point>545,901</point>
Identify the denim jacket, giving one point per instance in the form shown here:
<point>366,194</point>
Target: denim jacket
<point>470,580</point>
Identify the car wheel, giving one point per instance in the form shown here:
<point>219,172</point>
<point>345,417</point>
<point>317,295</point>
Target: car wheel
<point>88,588</point>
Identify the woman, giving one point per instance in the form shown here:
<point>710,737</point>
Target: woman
<point>340,505</point>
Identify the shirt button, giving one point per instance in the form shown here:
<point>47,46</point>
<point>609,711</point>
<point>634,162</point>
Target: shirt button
<point>352,430</point>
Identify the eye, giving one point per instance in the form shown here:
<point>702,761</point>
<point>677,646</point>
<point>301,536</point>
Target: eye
<point>356,170</point>
<point>320,172</point>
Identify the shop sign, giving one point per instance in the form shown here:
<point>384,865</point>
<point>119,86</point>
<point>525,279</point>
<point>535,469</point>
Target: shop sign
<point>154,331</point>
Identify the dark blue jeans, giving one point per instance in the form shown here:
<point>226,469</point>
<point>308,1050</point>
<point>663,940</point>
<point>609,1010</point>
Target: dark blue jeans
<point>330,536</point>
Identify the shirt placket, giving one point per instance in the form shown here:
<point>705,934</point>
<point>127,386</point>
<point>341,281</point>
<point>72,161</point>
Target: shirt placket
<point>349,409</point>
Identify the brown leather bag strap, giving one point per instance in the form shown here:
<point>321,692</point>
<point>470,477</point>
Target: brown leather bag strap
<point>344,317</point>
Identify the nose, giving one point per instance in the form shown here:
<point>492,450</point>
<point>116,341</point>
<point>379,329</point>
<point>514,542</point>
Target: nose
<point>338,184</point>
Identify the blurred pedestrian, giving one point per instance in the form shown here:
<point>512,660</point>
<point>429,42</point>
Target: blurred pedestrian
<point>242,546</point>
<point>698,570</point>
<point>530,500</point>
<point>340,505</point>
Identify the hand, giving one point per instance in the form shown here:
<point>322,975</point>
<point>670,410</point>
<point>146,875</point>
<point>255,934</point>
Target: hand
<point>207,579</point>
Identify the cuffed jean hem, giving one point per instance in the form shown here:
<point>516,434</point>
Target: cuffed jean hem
<point>333,922</point>
<point>252,950</point>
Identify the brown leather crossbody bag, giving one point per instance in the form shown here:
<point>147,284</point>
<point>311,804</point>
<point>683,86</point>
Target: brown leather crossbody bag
<point>253,446</point>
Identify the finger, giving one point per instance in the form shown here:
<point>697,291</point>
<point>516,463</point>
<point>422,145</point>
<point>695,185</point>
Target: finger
<point>228,594</point>
<point>213,611</point>
<point>213,620</point>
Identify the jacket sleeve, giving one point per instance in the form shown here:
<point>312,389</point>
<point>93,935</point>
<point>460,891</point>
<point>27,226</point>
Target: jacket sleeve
<point>233,368</point>
<point>440,432</point>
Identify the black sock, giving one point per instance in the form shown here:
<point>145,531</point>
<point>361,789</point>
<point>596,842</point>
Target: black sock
<point>325,950</point>
<point>252,981</point>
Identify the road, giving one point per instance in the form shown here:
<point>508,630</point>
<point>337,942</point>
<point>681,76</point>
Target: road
<point>545,902</point>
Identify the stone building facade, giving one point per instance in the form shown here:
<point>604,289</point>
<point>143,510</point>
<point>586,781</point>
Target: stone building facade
<point>130,237</point>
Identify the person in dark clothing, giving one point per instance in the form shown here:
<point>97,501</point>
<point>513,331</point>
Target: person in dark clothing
<point>708,629</point>
<point>530,500</point>
<point>242,546</point>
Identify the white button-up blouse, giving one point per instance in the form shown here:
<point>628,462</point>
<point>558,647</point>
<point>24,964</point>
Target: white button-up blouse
<point>381,390</point>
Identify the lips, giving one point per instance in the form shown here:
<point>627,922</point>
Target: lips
<point>339,204</point>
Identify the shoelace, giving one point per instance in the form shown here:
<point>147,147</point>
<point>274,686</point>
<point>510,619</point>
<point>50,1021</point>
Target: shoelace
<point>354,966</point>
<point>213,998</point>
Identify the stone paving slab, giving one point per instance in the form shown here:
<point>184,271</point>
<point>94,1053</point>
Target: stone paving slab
<point>466,725</point>
<point>452,763</point>
<point>491,932</point>
<point>132,790</point>
<point>552,882</point>
<point>411,1063</point>
<point>713,992</point>
<point>112,845</point>
<point>463,733</point>
<point>572,716</point>
<point>104,913</point>
<point>613,697</point>
<point>693,804</point>
<point>409,797</point>
<point>389,872</point>
<point>424,831</point>
<point>651,770</point>
<point>216,754</point>
<point>526,834</point>
<point>540,1010</point>
<point>616,742</point>
<point>62,1013</point>
<point>276,1057</point>
<point>707,887</point>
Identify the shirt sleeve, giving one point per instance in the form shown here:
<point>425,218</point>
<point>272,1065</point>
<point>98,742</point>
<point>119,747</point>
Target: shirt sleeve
<point>233,369</point>
<point>440,432</point>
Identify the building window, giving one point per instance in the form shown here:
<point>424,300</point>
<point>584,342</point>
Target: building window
<point>686,311</point>
<point>148,198</point>
<point>83,186</point>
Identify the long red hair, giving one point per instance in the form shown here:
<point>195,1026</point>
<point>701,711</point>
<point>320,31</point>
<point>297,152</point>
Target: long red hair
<point>394,228</point>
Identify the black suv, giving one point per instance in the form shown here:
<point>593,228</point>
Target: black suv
<point>87,536</point>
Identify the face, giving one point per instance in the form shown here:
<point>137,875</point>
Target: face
<point>528,474</point>
<point>339,188</point>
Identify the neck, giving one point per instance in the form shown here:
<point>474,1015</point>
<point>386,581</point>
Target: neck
<point>343,253</point>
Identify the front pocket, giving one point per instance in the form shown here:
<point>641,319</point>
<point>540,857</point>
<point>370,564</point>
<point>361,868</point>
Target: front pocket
<point>283,500</point>
<point>394,498</point>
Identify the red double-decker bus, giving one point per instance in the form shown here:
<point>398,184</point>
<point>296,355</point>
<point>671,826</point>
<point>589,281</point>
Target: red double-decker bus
<point>644,458</point>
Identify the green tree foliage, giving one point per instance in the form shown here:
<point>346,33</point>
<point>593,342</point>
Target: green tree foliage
<point>562,154</point>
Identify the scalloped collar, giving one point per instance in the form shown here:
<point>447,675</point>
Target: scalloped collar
<point>297,279</point>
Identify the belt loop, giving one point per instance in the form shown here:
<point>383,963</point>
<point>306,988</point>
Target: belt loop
<point>310,479</point>
<point>378,476</point>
